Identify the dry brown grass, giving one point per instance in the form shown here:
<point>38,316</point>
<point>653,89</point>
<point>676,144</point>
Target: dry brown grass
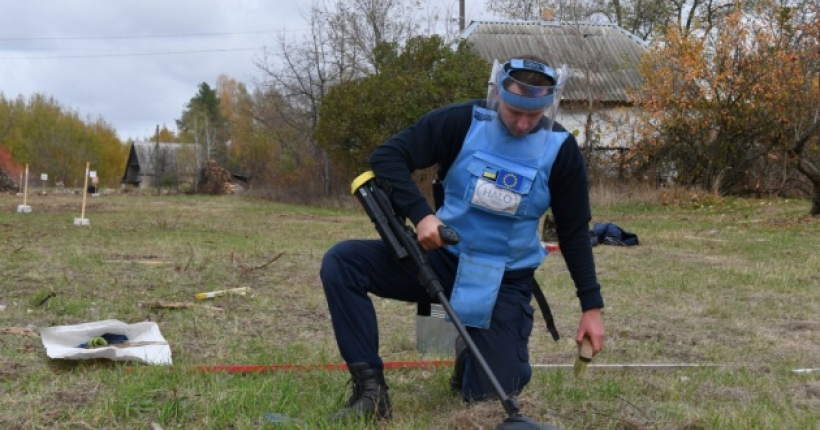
<point>729,284</point>
<point>602,195</point>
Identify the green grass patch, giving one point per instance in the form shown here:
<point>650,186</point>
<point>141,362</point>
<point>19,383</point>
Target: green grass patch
<point>725,292</point>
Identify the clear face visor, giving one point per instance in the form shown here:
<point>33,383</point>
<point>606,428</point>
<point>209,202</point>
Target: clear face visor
<point>506,88</point>
<point>516,87</point>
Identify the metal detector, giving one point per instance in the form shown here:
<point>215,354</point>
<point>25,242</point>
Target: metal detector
<point>374,195</point>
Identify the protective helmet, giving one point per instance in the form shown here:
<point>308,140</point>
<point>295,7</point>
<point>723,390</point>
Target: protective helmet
<point>506,86</point>
<point>524,95</point>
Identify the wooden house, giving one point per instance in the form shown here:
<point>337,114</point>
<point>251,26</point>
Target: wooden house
<point>152,164</point>
<point>602,59</point>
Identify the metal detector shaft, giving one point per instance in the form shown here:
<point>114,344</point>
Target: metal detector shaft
<point>509,404</point>
<point>403,242</point>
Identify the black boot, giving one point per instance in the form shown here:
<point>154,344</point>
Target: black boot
<point>369,398</point>
<point>458,366</point>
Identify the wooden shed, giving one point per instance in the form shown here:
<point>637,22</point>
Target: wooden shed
<point>160,163</point>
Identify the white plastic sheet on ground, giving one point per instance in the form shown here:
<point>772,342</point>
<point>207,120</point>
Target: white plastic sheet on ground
<point>145,342</point>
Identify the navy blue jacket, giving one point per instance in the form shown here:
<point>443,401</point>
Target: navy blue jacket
<point>437,138</point>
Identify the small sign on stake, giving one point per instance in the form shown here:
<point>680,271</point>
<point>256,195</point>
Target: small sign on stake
<point>94,181</point>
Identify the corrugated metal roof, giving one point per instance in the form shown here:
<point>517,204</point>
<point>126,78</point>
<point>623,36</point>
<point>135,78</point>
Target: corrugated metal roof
<point>602,58</point>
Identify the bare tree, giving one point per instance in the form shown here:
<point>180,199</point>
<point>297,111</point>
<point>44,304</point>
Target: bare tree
<point>337,47</point>
<point>642,18</point>
<point>525,10</point>
<point>549,10</point>
<point>367,23</point>
<point>800,121</point>
<point>442,18</point>
<point>296,75</point>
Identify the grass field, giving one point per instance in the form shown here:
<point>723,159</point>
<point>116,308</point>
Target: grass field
<point>725,292</point>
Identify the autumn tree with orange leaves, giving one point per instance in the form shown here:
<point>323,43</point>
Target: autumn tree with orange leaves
<point>737,109</point>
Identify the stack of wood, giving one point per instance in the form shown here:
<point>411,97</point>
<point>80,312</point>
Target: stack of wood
<point>214,180</point>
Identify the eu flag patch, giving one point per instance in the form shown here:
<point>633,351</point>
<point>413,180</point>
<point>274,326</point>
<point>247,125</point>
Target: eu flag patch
<point>509,180</point>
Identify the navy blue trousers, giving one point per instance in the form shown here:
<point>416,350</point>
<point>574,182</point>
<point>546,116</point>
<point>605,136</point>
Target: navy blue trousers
<point>351,270</point>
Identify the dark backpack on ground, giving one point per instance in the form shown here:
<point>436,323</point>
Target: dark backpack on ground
<point>610,234</point>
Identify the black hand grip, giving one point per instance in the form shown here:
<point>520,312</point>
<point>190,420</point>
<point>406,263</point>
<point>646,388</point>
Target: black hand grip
<point>448,235</point>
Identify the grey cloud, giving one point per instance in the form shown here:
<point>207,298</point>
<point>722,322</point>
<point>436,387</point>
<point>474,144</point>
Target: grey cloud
<point>111,76</point>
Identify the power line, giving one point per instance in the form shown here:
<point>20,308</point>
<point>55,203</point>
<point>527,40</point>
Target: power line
<point>148,36</point>
<point>133,54</point>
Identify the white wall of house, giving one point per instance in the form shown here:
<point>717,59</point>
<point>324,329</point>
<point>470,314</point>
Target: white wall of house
<point>608,124</point>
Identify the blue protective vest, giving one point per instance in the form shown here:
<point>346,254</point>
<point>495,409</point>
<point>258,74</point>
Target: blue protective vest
<point>495,193</point>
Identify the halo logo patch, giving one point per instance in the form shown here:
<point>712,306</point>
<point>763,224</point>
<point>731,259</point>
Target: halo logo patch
<point>489,196</point>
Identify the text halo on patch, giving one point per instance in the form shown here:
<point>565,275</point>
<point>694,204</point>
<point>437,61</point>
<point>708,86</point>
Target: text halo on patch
<point>491,197</point>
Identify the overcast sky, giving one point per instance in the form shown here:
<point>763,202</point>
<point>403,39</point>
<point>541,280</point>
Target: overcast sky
<point>137,63</point>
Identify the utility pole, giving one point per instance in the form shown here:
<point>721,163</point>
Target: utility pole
<point>157,162</point>
<point>461,15</point>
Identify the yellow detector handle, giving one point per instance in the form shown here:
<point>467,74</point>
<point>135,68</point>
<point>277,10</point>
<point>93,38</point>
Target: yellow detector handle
<point>361,180</point>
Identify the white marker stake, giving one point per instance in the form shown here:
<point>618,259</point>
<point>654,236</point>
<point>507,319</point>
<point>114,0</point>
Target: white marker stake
<point>25,187</point>
<point>81,220</point>
<point>24,208</point>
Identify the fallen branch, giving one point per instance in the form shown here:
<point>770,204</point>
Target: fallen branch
<point>19,330</point>
<point>140,261</point>
<point>209,295</point>
<point>248,269</point>
<point>176,305</point>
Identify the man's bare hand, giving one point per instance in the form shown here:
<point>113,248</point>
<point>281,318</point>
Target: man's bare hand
<point>427,232</point>
<point>591,326</point>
